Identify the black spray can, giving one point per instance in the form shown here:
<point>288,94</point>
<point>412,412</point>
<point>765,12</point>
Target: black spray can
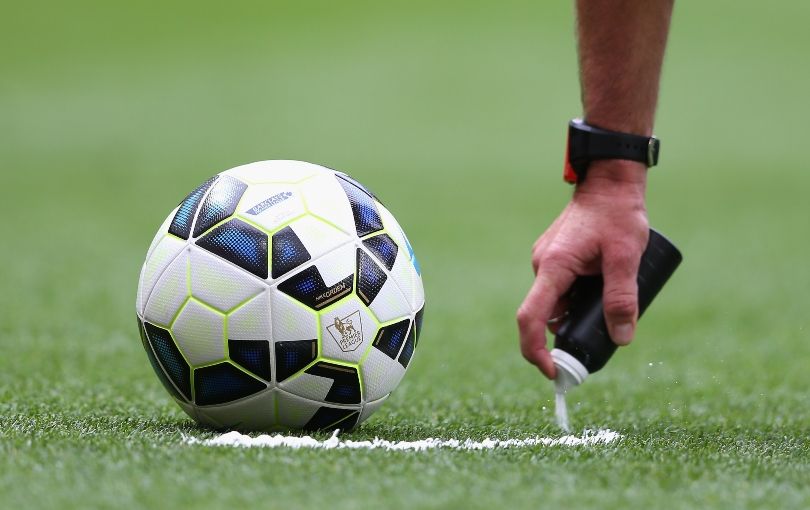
<point>582,345</point>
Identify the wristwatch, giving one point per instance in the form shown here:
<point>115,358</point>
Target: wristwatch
<point>587,143</point>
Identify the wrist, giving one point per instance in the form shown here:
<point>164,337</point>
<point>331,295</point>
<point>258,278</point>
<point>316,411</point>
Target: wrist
<point>624,157</point>
<point>639,124</point>
<point>615,177</point>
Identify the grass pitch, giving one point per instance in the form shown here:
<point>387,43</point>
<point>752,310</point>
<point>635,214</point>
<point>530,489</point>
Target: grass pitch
<point>454,114</point>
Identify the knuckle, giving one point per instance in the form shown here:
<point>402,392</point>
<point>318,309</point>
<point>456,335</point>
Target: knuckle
<point>523,316</point>
<point>553,258</point>
<point>622,263</point>
<point>625,254</point>
<point>620,303</point>
<point>535,261</point>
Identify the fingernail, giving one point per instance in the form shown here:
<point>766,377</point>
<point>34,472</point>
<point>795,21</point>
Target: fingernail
<point>623,333</point>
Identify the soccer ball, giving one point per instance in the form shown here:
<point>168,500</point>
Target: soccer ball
<point>280,295</point>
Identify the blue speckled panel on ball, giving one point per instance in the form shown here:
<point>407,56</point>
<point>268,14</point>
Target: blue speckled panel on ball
<point>164,379</point>
<point>252,355</point>
<point>370,277</point>
<point>288,252</point>
<point>240,243</point>
<point>418,324</point>
<point>181,223</point>
<point>170,358</point>
<point>346,383</point>
<point>364,189</point>
<point>308,287</point>
<point>293,355</point>
<point>407,350</point>
<point>366,218</point>
<point>220,203</point>
<point>328,418</point>
<point>384,248</point>
<point>389,338</point>
<point>221,383</point>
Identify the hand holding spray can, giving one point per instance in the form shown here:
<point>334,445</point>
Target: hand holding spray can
<point>582,345</point>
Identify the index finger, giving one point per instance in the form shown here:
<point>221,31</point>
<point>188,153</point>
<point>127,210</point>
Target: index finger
<point>535,312</point>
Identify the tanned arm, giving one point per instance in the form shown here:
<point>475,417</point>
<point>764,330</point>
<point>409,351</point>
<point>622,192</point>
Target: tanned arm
<point>604,228</point>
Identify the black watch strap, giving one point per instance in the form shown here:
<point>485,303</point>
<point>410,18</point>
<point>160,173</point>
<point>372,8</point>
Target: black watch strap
<point>587,143</point>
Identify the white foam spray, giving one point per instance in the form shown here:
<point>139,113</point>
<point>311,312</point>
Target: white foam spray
<point>561,411</point>
<point>236,439</point>
<point>570,374</point>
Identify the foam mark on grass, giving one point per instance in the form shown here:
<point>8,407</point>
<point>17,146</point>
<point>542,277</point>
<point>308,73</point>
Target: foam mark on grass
<point>236,439</point>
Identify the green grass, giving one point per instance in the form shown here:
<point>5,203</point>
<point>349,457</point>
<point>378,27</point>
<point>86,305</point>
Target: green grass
<point>454,113</point>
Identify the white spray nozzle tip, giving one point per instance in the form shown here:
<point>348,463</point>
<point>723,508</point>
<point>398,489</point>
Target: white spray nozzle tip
<point>570,372</point>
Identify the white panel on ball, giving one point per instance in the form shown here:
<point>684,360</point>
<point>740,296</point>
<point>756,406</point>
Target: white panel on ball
<point>255,413</point>
<point>309,386</point>
<point>162,255</point>
<point>200,333</point>
<point>275,171</point>
<point>389,304</point>
<point>325,198</point>
<point>419,291</point>
<point>318,237</point>
<point>219,283</point>
<point>347,330</point>
<point>291,320</point>
<point>294,412</point>
<point>338,264</point>
<point>369,408</point>
<point>251,321</point>
<point>170,291</point>
<point>409,282</point>
<point>380,374</point>
<point>271,205</point>
<point>162,231</point>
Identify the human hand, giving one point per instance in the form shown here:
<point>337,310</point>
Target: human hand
<point>603,229</point>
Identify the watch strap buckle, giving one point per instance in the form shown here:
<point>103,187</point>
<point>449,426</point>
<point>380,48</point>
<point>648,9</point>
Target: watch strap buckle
<point>653,147</point>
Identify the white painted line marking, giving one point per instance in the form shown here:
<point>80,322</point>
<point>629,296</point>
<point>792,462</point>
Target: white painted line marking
<point>236,439</point>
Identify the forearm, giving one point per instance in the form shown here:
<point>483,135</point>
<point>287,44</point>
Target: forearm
<point>621,50</point>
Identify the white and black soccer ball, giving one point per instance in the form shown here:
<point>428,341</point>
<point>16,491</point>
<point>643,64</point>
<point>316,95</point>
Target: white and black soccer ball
<point>280,295</point>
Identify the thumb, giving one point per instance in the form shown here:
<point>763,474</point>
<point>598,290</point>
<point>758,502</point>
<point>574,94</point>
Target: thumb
<point>620,293</point>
